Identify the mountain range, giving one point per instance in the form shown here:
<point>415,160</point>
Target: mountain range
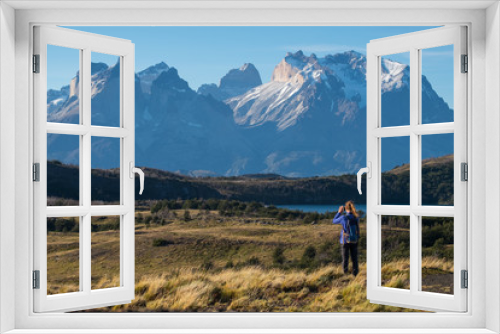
<point>308,120</point>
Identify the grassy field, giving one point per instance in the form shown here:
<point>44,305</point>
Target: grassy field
<point>202,261</point>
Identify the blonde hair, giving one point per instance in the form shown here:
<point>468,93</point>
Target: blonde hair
<point>349,206</point>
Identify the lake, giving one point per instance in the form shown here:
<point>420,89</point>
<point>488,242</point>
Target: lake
<point>318,208</point>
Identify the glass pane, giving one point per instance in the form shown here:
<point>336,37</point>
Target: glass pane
<point>395,89</point>
<point>105,252</point>
<point>105,171</point>
<point>396,171</point>
<point>105,90</point>
<point>63,85</point>
<point>63,255</point>
<point>437,254</point>
<point>437,84</point>
<point>395,252</point>
<point>63,170</point>
<point>437,169</point>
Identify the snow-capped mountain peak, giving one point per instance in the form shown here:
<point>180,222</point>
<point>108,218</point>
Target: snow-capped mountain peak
<point>394,75</point>
<point>296,68</point>
<point>150,74</point>
<point>297,84</point>
<point>308,120</point>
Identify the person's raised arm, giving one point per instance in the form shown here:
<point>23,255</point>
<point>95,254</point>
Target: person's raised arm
<point>338,217</point>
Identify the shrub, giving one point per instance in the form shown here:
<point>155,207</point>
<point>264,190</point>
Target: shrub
<point>62,224</point>
<point>309,253</point>
<point>207,265</point>
<point>283,215</point>
<point>156,207</point>
<point>278,256</point>
<point>161,242</point>
<point>253,261</point>
<point>308,259</point>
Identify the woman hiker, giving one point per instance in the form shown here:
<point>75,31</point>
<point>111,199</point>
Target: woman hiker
<point>349,235</point>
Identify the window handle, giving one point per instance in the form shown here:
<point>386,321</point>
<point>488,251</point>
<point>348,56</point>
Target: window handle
<point>139,171</point>
<point>368,171</point>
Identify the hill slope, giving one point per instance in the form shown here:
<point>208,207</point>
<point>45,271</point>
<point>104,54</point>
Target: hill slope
<point>437,177</point>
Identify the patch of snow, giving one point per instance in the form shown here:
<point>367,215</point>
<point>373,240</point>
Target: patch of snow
<point>196,125</point>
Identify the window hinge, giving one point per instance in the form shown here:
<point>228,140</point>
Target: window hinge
<point>36,172</point>
<point>465,279</point>
<point>464,171</point>
<point>465,64</point>
<point>36,279</point>
<point>36,63</point>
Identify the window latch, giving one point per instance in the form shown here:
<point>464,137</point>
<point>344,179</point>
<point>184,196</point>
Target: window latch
<point>368,171</point>
<point>139,171</point>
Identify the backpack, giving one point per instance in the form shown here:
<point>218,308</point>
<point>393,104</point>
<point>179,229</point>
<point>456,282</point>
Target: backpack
<point>350,232</point>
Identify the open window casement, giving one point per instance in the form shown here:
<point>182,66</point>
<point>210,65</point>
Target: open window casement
<point>81,133</point>
<point>416,128</point>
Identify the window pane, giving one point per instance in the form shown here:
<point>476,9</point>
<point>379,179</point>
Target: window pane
<point>63,85</point>
<point>105,90</point>
<point>437,254</point>
<point>395,89</point>
<point>63,255</point>
<point>63,170</point>
<point>437,169</point>
<point>437,84</point>
<point>105,252</point>
<point>395,252</point>
<point>105,171</point>
<point>395,166</point>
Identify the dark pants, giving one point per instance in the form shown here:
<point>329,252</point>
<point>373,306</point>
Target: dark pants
<point>353,249</point>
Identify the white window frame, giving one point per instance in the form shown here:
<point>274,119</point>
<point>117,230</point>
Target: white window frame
<point>483,102</point>
<point>85,43</point>
<point>413,43</point>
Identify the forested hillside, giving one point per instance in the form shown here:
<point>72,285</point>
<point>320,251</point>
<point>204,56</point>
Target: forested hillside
<point>437,175</point>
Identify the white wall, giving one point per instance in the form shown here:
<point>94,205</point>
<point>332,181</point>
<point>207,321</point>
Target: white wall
<point>492,165</point>
<point>478,121</point>
<point>7,160</point>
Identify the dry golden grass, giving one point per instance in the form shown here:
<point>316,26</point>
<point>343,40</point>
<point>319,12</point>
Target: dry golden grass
<point>172,278</point>
<point>254,289</point>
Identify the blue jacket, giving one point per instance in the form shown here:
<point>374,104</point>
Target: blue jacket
<point>343,220</point>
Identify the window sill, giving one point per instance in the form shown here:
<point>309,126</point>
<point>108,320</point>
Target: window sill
<point>250,331</point>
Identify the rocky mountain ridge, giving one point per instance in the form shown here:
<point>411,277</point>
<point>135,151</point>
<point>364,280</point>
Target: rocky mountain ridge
<point>310,119</point>
<point>234,83</point>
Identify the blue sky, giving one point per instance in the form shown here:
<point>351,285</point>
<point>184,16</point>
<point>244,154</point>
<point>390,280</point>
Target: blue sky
<point>205,54</point>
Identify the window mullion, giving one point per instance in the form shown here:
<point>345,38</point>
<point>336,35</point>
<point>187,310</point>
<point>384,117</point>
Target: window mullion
<point>415,259</point>
<point>85,246</point>
<point>81,221</point>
